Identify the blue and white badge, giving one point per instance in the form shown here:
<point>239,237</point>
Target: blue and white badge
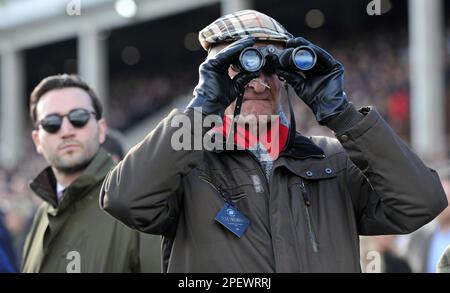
<point>233,220</point>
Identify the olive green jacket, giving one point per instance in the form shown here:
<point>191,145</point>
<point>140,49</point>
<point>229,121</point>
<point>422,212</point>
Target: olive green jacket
<point>76,235</point>
<point>322,194</point>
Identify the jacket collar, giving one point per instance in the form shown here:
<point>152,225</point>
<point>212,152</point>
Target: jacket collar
<point>302,147</point>
<point>294,156</point>
<point>44,185</point>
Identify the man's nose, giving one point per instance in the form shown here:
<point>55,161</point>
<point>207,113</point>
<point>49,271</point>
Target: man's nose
<point>259,84</point>
<point>67,129</point>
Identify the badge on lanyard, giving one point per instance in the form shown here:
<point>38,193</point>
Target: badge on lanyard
<point>232,219</point>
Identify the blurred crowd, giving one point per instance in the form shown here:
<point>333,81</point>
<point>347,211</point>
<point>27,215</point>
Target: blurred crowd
<point>376,72</point>
<point>134,97</point>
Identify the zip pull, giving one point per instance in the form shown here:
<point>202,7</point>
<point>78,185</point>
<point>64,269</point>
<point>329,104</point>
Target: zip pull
<point>305,194</point>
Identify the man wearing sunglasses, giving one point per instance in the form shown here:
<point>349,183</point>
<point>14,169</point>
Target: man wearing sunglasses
<point>70,233</point>
<point>299,209</point>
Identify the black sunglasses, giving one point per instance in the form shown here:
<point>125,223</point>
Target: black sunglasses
<point>78,118</point>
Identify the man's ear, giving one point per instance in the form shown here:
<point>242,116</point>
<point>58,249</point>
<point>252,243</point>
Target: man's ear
<point>36,140</point>
<point>101,130</point>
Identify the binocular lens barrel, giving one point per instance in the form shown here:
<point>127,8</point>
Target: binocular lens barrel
<point>251,60</point>
<point>304,58</point>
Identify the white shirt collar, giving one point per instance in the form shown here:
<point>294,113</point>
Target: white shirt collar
<point>59,191</point>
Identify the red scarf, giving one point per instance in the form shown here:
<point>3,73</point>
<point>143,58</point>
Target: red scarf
<point>273,140</point>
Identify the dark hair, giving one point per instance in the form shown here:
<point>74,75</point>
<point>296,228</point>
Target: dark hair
<point>61,81</point>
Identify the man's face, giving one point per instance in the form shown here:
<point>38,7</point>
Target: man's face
<point>262,94</point>
<point>70,149</point>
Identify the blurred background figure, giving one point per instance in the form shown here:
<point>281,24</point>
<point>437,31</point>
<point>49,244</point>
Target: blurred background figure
<point>379,254</point>
<point>114,144</point>
<point>427,244</point>
<point>8,260</point>
<point>391,262</point>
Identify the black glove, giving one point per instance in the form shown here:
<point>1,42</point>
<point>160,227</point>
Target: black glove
<point>321,88</point>
<point>215,90</point>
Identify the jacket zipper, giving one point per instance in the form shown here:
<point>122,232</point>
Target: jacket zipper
<point>267,193</point>
<point>307,200</point>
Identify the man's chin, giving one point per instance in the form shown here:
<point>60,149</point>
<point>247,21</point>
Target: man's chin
<point>72,165</point>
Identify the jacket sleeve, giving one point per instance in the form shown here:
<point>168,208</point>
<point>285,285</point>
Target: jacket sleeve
<point>392,191</point>
<point>144,190</point>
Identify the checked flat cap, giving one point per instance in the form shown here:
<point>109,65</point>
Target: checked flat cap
<point>237,25</point>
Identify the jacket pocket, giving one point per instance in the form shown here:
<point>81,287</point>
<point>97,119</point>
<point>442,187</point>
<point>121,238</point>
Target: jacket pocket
<point>307,207</point>
<point>232,195</point>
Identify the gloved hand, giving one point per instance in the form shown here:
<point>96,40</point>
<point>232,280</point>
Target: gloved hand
<point>215,90</point>
<point>321,88</point>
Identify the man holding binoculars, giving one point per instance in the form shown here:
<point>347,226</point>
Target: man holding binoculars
<point>254,210</point>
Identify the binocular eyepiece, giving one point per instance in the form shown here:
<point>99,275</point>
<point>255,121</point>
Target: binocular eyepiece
<point>269,57</point>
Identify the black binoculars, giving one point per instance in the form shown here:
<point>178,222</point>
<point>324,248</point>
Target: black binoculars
<point>269,58</point>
